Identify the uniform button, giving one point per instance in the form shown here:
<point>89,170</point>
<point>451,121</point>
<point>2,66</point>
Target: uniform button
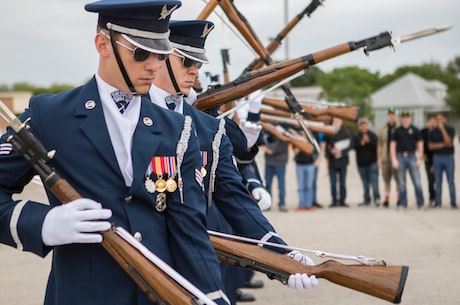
<point>128,199</point>
<point>138,236</point>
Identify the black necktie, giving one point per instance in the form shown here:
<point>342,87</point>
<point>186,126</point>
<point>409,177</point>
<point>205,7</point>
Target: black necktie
<point>172,101</point>
<point>121,99</point>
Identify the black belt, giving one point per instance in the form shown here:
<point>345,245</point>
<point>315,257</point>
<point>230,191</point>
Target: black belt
<point>406,154</point>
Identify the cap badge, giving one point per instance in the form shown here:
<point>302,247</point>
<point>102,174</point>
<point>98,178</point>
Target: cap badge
<point>206,31</point>
<point>165,12</point>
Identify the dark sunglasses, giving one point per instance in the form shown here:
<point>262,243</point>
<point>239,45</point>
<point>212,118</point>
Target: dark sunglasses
<point>139,54</point>
<point>187,62</point>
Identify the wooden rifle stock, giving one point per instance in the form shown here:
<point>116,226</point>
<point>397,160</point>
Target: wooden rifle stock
<point>210,6</point>
<point>349,114</point>
<point>284,113</point>
<point>157,285</point>
<point>384,282</point>
<point>273,119</point>
<point>304,146</point>
<point>254,80</point>
<point>153,281</point>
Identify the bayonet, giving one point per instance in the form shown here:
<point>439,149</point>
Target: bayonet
<point>420,34</point>
<point>384,39</point>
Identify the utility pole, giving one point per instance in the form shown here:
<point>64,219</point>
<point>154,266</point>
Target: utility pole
<point>286,20</point>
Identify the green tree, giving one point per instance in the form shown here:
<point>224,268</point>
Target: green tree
<point>308,79</point>
<point>54,88</point>
<point>351,85</point>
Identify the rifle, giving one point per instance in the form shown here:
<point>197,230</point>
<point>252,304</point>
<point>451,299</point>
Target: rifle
<point>153,278</point>
<point>384,282</point>
<point>225,61</point>
<point>260,78</point>
<point>276,42</point>
<point>284,136</point>
<point>283,113</point>
<point>314,126</point>
<point>349,114</point>
<point>241,23</point>
<point>210,6</point>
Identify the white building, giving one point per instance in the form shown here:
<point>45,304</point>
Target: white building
<point>409,92</point>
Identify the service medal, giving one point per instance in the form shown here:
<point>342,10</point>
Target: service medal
<point>160,185</point>
<point>171,185</point>
<point>204,162</point>
<point>160,204</point>
<point>149,185</point>
<point>203,171</point>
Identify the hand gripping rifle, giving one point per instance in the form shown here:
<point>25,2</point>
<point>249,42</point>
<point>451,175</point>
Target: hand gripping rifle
<point>349,114</point>
<point>381,281</point>
<point>257,79</point>
<point>154,277</point>
<point>285,136</point>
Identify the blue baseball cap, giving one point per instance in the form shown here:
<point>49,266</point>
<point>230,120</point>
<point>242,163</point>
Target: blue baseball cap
<point>144,23</point>
<point>188,37</point>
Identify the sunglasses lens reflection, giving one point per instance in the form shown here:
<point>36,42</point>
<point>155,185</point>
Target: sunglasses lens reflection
<point>140,54</point>
<point>190,62</point>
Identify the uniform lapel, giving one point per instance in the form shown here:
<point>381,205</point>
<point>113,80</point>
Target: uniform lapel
<point>146,141</point>
<point>93,125</point>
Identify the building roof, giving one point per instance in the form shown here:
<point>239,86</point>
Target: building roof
<point>411,91</point>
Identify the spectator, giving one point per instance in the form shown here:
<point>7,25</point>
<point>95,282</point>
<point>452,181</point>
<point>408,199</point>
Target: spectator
<point>336,150</point>
<point>383,155</point>
<point>305,171</point>
<point>428,157</point>
<point>319,138</point>
<point>365,144</point>
<point>406,151</point>
<point>440,141</point>
<point>276,157</point>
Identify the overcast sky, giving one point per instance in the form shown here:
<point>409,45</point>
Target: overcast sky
<point>51,41</point>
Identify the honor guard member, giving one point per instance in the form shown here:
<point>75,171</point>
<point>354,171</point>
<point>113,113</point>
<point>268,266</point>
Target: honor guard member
<point>110,139</point>
<point>222,182</point>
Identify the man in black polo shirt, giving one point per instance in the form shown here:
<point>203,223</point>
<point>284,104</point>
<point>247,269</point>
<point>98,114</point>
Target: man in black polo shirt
<point>440,141</point>
<point>428,157</point>
<point>406,151</point>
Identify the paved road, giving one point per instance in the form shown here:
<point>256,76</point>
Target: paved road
<point>428,241</point>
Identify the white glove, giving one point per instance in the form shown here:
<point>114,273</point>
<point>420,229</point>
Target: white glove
<point>255,101</point>
<point>264,199</point>
<point>251,130</point>
<point>301,281</point>
<point>78,221</point>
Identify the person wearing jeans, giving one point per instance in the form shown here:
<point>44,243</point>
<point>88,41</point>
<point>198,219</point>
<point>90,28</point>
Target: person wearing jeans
<point>336,150</point>
<point>406,151</point>
<point>440,141</point>
<point>409,164</point>
<point>305,171</point>
<point>365,144</point>
<point>276,157</point>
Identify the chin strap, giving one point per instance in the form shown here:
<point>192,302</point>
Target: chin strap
<point>120,64</point>
<point>173,79</point>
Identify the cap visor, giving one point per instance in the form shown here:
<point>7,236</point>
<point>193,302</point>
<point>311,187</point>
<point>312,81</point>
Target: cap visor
<point>193,55</point>
<point>159,46</point>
